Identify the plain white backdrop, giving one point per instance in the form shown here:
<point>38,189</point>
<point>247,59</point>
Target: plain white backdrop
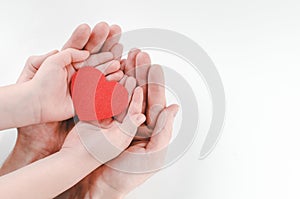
<point>255,46</point>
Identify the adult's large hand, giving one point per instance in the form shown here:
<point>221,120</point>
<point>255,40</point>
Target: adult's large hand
<point>154,136</point>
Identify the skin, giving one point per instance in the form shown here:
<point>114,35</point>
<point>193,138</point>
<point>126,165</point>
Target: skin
<point>73,158</point>
<point>107,182</point>
<point>147,140</point>
<point>38,141</point>
<point>13,102</point>
<point>40,91</point>
<point>104,182</point>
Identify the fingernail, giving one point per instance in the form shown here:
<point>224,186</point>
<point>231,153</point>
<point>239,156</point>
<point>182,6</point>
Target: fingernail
<point>141,118</point>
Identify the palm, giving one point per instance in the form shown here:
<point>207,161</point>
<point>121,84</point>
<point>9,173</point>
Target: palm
<point>114,136</point>
<point>122,182</point>
<point>134,165</point>
<point>57,95</point>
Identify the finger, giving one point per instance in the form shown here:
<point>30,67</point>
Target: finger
<point>123,80</point>
<point>129,126</point>
<point>121,116</point>
<point>143,63</point>
<point>134,117</point>
<point>156,101</point>
<point>79,37</point>
<point>33,63</point>
<point>112,39</point>
<point>68,56</point>
<point>130,85</point>
<point>117,51</point>
<point>95,60</point>
<point>130,62</point>
<point>135,106</point>
<point>123,64</point>
<point>97,38</point>
<point>114,30</point>
<point>109,67</point>
<point>139,143</point>
<point>144,133</point>
<point>116,76</point>
<point>126,130</point>
<point>163,130</point>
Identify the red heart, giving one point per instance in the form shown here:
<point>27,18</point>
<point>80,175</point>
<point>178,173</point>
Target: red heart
<point>94,97</point>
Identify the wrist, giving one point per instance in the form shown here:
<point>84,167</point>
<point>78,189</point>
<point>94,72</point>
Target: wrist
<point>28,107</point>
<point>19,105</point>
<point>36,107</point>
<point>73,147</point>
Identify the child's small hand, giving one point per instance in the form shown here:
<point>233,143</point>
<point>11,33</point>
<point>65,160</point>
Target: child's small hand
<point>51,85</point>
<point>104,140</point>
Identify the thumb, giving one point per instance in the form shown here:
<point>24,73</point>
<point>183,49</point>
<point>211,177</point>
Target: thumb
<point>131,123</point>
<point>162,132</point>
<point>68,56</point>
<point>138,119</point>
<point>33,63</point>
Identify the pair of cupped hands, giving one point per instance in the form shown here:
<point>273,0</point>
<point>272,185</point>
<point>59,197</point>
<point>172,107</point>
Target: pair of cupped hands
<point>50,77</point>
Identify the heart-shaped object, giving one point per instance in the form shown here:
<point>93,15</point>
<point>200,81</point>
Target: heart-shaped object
<point>94,97</point>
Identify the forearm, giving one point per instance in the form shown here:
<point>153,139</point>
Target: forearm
<point>48,177</point>
<point>18,106</point>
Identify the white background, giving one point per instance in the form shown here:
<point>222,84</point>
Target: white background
<point>255,46</point>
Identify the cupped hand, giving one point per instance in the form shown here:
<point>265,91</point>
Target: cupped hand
<point>106,140</point>
<point>136,164</point>
<point>147,152</point>
<point>51,85</point>
<point>38,141</point>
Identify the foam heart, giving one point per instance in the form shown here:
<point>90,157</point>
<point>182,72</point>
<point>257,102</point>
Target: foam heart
<point>94,97</point>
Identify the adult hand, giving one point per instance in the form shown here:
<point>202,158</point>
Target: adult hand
<point>109,182</point>
<point>150,145</point>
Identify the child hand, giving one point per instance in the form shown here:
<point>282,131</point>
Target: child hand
<point>51,85</point>
<point>105,140</point>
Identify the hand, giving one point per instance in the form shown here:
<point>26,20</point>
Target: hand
<point>112,182</point>
<point>51,85</point>
<point>154,135</point>
<point>38,141</point>
<point>80,154</point>
<point>107,182</point>
<point>106,140</point>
